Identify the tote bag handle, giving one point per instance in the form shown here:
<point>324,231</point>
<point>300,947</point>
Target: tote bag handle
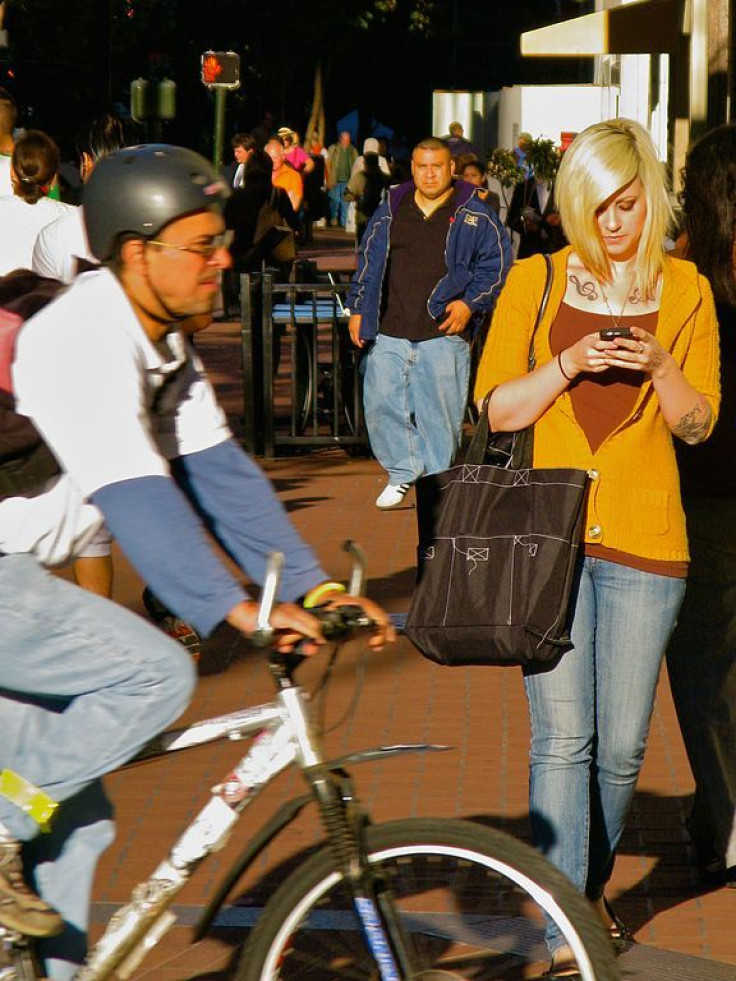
<point>510,450</point>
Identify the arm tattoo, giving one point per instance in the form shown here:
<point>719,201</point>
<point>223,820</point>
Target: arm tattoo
<point>694,425</point>
<point>586,289</point>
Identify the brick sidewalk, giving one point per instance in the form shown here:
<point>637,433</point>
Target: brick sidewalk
<point>480,712</point>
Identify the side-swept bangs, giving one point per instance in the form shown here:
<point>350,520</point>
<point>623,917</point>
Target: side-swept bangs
<point>601,161</point>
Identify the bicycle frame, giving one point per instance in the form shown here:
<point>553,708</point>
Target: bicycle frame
<point>284,737</point>
<point>144,919</point>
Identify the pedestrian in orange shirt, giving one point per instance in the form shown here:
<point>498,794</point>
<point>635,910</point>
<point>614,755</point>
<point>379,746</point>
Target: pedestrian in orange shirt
<point>284,175</point>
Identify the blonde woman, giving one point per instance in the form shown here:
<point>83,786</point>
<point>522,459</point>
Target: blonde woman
<point>611,407</point>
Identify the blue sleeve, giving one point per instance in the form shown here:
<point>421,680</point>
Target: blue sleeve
<point>168,546</point>
<point>239,505</point>
<point>491,265</point>
<point>369,262</point>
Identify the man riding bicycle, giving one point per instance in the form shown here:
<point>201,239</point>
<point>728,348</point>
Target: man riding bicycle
<point>107,376</point>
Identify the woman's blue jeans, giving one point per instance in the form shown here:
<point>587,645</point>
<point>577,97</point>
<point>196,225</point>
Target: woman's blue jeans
<point>415,394</point>
<point>590,717</point>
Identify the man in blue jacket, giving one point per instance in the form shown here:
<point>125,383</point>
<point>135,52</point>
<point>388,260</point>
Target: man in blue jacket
<point>430,265</point>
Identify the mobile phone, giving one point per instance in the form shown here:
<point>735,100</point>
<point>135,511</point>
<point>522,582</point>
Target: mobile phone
<point>611,333</point>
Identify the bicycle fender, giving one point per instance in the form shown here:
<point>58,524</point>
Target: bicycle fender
<point>380,753</point>
<point>263,837</point>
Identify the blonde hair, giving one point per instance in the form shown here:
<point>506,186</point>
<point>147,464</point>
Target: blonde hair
<point>601,161</point>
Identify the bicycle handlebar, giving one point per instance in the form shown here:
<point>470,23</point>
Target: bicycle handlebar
<point>336,622</point>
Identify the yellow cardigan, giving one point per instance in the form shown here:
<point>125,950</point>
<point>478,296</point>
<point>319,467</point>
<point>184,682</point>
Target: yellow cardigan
<point>634,501</point>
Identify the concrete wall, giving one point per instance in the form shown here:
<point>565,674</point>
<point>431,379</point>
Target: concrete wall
<point>477,111</point>
<point>549,110</point>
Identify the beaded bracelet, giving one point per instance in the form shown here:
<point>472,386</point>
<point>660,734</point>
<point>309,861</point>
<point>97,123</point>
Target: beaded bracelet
<point>314,596</point>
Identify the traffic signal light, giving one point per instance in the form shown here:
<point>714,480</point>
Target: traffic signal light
<point>221,68</point>
<point>152,100</point>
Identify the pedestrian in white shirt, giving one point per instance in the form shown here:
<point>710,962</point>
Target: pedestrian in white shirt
<point>33,169</point>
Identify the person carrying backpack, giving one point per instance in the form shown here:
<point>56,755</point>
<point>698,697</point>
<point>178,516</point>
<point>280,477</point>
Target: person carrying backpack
<point>367,188</point>
<point>107,376</point>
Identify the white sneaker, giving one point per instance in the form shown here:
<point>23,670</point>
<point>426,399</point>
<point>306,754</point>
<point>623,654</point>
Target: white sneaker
<point>391,496</point>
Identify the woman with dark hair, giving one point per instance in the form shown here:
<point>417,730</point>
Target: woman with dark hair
<point>474,173</point>
<point>263,222</point>
<point>33,169</point>
<point>702,653</point>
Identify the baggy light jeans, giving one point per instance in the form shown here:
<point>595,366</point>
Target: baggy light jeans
<point>85,684</point>
<point>415,396</point>
<point>590,717</point>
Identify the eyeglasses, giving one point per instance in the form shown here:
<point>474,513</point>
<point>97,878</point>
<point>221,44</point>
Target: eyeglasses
<point>206,251</point>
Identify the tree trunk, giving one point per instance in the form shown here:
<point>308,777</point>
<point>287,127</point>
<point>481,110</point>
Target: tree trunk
<point>316,124</point>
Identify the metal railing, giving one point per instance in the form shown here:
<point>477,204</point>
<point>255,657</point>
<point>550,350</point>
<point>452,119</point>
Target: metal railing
<point>301,380</point>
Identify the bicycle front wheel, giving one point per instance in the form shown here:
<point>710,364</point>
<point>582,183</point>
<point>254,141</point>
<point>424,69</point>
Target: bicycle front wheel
<point>471,901</point>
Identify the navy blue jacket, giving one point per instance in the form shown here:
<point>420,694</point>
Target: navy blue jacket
<point>477,255</point>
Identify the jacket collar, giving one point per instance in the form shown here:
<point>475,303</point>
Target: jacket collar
<point>463,193</point>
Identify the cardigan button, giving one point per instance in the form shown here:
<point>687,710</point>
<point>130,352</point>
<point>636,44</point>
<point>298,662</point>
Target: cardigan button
<point>595,531</point>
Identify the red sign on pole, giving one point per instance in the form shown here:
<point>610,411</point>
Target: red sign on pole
<point>221,69</point>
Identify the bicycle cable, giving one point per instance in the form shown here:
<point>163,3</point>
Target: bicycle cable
<point>322,687</point>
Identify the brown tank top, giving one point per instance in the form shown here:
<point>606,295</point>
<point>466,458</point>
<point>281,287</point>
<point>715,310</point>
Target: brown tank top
<point>601,403</point>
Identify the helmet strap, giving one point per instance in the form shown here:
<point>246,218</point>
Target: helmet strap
<point>170,317</point>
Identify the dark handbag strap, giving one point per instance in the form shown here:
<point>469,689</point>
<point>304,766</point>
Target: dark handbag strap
<point>531,360</point>
<point>520,444</point>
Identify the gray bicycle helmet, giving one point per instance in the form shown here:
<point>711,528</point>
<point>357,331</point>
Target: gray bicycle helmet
<point>140,189</point>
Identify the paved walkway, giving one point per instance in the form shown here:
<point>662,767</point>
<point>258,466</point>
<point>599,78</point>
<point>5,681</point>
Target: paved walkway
<point>480,712</point>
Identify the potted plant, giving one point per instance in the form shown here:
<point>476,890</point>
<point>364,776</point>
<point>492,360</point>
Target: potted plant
<point>543,159</point>
<point>502,166</point>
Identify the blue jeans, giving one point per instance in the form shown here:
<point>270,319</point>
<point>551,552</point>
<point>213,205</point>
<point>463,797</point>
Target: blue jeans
<point>590,716</point>
<point>701,660</point>
<point>85,684</point>
<point>415,396</point>
<point>338,204</point>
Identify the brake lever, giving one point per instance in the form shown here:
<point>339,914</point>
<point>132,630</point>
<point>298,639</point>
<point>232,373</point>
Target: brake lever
<point>338,621</point>
<point>357,575</point>
<point>262,636</point>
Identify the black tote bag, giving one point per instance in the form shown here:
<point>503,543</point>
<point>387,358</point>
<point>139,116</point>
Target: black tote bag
<point>497,553</point>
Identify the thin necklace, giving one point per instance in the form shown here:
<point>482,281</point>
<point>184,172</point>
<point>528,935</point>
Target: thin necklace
<point>616,321</point>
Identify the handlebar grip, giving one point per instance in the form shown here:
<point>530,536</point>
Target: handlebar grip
<point>340,620</point>
<point>262,637</point>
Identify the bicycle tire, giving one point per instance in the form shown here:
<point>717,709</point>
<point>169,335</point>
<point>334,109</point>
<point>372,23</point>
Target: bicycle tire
<point>304,380</point>
<point>435,865</point>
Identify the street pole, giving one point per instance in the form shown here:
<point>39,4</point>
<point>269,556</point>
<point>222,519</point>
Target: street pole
<point>219,135</point>
<point>220,71</point>
<point>698,69</point>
